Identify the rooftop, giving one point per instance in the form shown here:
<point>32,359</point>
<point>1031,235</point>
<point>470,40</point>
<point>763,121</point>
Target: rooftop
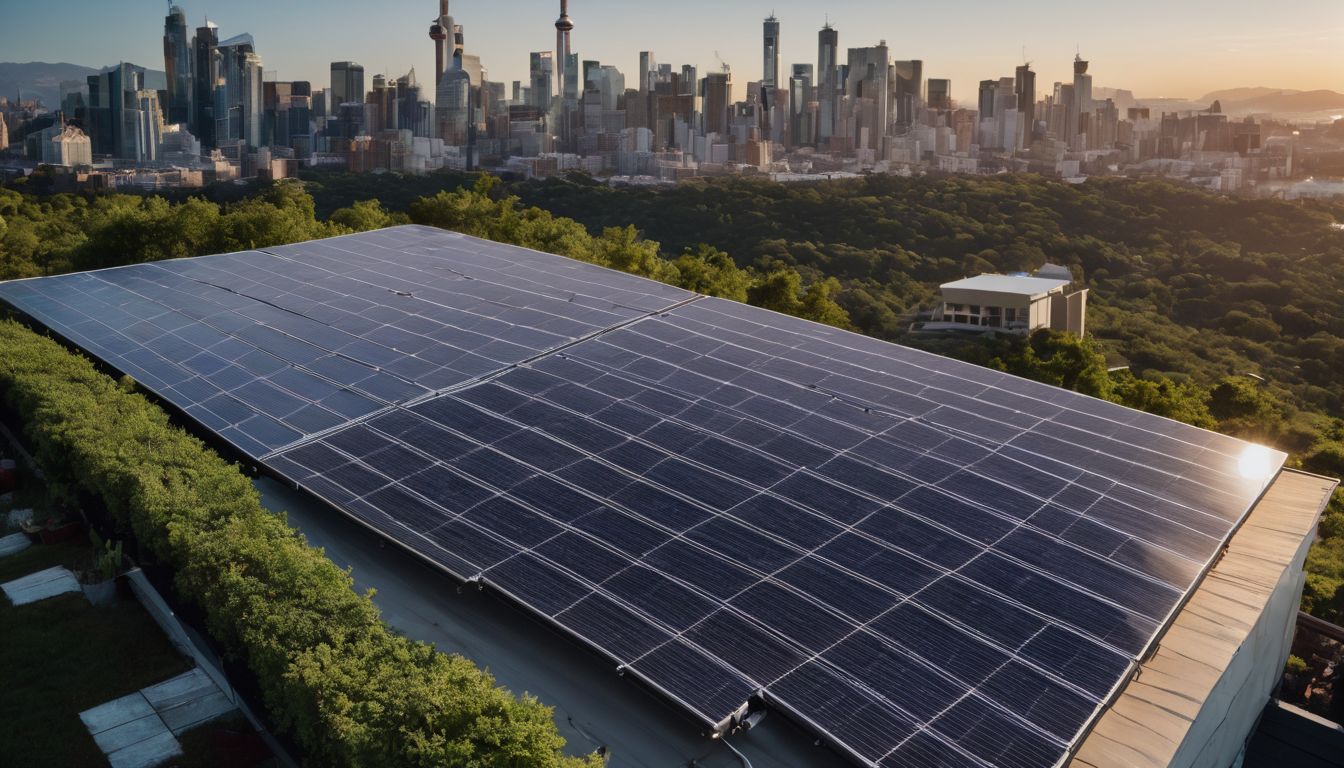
<point>909,555</point>
<point>1021,285</point>
<point>1155,722</point>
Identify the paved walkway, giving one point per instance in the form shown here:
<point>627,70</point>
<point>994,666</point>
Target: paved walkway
<point>41,585</point>
<point>14,543</point>
<point>141,730</point>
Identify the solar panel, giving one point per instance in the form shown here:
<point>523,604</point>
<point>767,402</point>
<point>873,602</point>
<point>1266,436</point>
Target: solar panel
<point>924,561</point>
<point>269,348</point>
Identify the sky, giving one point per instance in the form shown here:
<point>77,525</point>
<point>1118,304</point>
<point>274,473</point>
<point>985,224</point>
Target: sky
<point>1174,48</point>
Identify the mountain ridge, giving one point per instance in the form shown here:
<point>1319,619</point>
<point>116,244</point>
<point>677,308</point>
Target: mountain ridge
<point>42,79</point>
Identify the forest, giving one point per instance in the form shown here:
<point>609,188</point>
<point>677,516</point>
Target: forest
<point>1221,312</point>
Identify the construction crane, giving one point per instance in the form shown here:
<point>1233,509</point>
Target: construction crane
<point>722,64</point>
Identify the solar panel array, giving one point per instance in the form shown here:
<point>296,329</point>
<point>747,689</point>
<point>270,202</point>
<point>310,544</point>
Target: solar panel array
<point>926,562</point>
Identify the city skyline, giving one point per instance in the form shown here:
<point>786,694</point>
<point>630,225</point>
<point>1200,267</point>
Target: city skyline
<point>300,39</point>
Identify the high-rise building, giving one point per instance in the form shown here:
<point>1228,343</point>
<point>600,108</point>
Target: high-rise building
<point>827,84</point>
<point>716,91</point>
<point>123,117</point>
<point>347,83</point>
<point>1081,105</point>
<point>414,113</point>
<point>1024,84</point>
<point>177,66</point>
<point>770,48</point>
<point>4,134</point>
<point>907,81</point>
<point>868,89</point>
<point>802,107</point>
<point>543,79</point>
<point>986,102</point>
<point>648,71</point>
<point>204,74</point>
<point>770,82</point>
<point>382,105</point>
<point>453,108</point>
<point>688,80</point>
<point>275,99</point>
<point>74,96</point>
<point>239,94</point>
<point>940,93</point>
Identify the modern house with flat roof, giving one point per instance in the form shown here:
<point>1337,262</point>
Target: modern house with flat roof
<point>1018,304</point>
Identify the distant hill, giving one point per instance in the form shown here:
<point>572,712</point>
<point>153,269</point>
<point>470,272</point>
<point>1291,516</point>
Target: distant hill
<point>43,80</point>
<point>1243,94</point>
<point>1288,101</point>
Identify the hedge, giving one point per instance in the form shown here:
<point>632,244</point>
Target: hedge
<point>333,676</point>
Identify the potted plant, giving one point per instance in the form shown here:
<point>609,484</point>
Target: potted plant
<point>100,582</point>
<point>52,523</point>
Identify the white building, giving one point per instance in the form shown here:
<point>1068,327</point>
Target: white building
<point>1013,303</point>
<point>70,148</point>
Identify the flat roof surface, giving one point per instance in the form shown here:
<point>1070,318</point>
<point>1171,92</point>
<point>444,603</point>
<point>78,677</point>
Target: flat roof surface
<point>594,706</point>
<point>1150,720</point>
<point>916,558</point>
<point>1021,285</point>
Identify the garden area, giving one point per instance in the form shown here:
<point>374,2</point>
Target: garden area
<point>63,655</point>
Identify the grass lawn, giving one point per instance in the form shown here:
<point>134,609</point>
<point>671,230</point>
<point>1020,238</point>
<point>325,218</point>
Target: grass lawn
<point>61,656</point>
<point>75,555</point>
<point>225,743</point>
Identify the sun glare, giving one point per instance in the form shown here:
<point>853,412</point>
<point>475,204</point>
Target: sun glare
<point>1256,463</point>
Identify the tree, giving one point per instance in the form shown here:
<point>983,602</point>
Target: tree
<point>1163,396</point>
<point>817,304</point>
<point>622,248</point>
<point>778,290</point>
<point>712,272</point>
<point>363,216</point>
<point>1058,358</point>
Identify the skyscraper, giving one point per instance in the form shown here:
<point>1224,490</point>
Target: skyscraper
<point>347,83</point>
<point>828,44</point>
<point>239,96</point>
<point>906,91</point>
<point>1024,84</point>
<point>985,102</point>
<point>716,91</point>
<point>563,26</point>
<point>770,75</point>
<point>868,87</point>
<point>1081,106</point>
<point>123,117</point>
<point>177,65</point>
<point>543,79</point>
<point>205,71</point>
<point>802,106</point>
<point>648,71</point>
<point>940,93</point>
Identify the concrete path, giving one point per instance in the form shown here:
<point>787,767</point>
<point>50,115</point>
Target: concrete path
<point>14,543</point>
<point>41,585</point>
<point>141,730</point>
<point>187,700</point>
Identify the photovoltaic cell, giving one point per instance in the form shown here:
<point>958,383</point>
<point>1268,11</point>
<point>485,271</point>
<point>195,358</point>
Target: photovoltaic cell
<point>926,562</point>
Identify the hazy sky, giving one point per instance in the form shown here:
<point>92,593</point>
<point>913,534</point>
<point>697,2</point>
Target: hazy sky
<point>1153,47</point>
